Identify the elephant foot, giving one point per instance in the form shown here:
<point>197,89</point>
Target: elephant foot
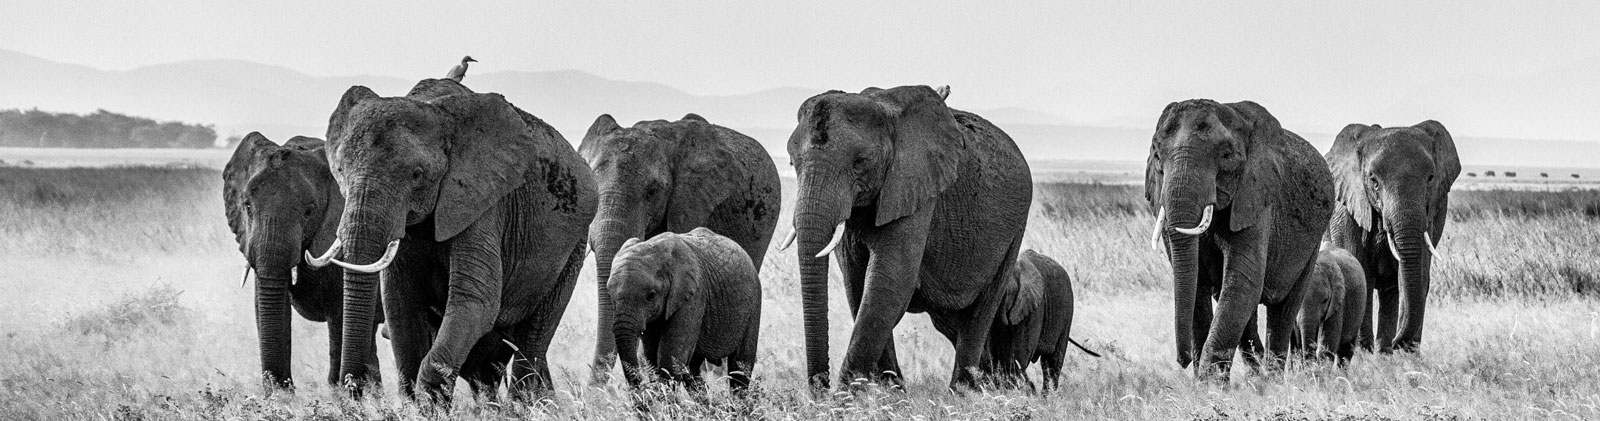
<point>434,384</point>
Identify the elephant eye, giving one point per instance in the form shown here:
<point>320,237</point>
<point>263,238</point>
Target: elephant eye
<point>650,295</point>
<point>248,207</point>
<point>416,173</point>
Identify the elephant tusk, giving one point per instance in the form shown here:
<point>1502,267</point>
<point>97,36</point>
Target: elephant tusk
<point>388,257</point>
<point>1205,222</point>
<point>319,262</point>
<point>789,240</point>
<point>1392,250</point>
<point>838,234</point>
<point>1155,236</point>
<point>246,277</point>
<point>1428,239</point>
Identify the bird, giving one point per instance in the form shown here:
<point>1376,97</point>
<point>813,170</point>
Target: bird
<point>460,71</point>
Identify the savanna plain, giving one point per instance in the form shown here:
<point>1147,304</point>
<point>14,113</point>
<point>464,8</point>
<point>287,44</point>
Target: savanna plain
<point>121,298</point>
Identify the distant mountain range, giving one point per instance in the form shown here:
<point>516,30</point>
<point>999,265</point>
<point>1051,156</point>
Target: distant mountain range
<point>240,96</point>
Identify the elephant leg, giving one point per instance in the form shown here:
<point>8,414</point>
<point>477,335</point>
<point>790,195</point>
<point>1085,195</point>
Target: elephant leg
<point>1250,347</point>
<point>485,367</point>
<point>1203,304</point>
<point>335,345</point>
<point>531,373</point>
<point>473,303</point>
<point>1308,323</point>
<point>694,380</point>
<point>743,361</point>
<point>406,285</point>
<point>651,341</point>
<point>889,279</point>
<point>970,340</point>
<point>1388,318</point>
<point>1236,305</point>
<point>1365,335</point>
<point>1332,328</point>
<point>1051,365</point>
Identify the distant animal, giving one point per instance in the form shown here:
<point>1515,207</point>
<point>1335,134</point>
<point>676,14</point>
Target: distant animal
<point>1034,323</point>
<point>460,71</point>
<point>477,215</point>
<point>923,208</point>
<point>1331,306</point>
<point>674,176</point>
<point>1510,173</point>
<point>1574,176</point>
<point>1394,190</point>
<point>1544,175</point>
<point>1271,193</point>
<point>692,298</point>
<point>1472,174</point>
<point>1489,173</point>
<point>281,201</point>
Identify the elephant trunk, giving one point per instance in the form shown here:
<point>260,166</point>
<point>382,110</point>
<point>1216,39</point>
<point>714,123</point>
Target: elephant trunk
<point>609,231</point>
<point>274,254</point>
<point>819,209</point>
<point>1190,196</point>
<point>1415,261</point>
<point>627,345</point>
<point>371,220</point>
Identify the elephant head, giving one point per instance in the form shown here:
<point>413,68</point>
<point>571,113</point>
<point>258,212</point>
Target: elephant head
<point>650,282</point>
<point>1023,294</point>
<point>1395,184</point>
<point>882,155</point>
<point>1202,167</point>
<point>441,156</point>
<point>281,200</point>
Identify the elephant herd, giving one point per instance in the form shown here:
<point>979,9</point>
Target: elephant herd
<point>461,222</point>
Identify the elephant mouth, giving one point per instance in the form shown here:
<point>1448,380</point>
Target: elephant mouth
<point>838,235</point>
<point>333,250</point>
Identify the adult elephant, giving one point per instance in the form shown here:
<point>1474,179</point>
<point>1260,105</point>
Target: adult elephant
<point>1242,204</point>
<point>925,206</point>
<point>660,176</point>
<point>477,215</point>
<point>1394,192</point>
<point>280,201</point>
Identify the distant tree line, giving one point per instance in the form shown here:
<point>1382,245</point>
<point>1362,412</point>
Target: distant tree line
<point>102,129</point>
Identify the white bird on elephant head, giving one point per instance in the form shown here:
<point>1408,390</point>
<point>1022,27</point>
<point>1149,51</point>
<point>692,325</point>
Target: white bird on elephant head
<point>460,71</point>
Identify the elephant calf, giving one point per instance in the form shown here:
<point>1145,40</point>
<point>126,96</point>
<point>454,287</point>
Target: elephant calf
<point>1332,304</point>
<point>1034,323</point>
<point>693,297</point>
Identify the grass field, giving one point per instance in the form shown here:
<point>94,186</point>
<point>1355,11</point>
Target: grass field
<point>122,301</point>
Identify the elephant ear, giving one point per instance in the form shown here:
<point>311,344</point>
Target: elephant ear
<point>492,148</point>
<point>1248,195</point>
<point>686,276</point>
<point>1153,164</point>
<point>236,180</point>
<point>1447,165</point>
<point>341,114</point>
<point>927,147</point>
<point>1024,293</point>
<point>603,125</point>
<point>1350,180</point>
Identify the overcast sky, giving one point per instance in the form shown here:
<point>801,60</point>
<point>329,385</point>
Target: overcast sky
<point>1099,61</point>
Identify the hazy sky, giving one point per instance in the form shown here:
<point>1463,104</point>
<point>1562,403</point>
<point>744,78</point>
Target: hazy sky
<point>1090,61</point>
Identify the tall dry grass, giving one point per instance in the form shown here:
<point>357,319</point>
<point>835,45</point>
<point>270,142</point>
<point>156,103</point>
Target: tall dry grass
<point>123,302</point>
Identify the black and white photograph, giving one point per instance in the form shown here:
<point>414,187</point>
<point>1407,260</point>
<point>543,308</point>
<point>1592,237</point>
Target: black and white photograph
<point>730,210</point>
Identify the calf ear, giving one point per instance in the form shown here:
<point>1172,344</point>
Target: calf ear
<point>493,146</point>
<point>687,277</point>
<point>1350,180</point>
<point>1025,291</point>
<point>236,179</point>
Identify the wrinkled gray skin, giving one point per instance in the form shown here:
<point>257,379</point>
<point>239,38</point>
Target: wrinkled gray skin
<point>1271,193</point>
<point>492,209</point>
<point>1330,306</point>
<point>933,201</point>
<point>660,176</point>
<point>1034,323</point>
<point>281,201</point>
<point>691,298</point>
<point>1393,185</point>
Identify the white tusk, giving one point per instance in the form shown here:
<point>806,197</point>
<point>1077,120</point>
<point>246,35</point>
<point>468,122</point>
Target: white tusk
<point>838,234</point>
<point>1205,222</point>
<point>789,240</point>
<point>246,277</point>
<point>1428,239</point>
<point>1392,250</point>
<point>388,257</point>
<point>319,262</point>
<point>1155,236</point>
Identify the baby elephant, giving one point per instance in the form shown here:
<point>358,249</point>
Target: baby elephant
<point>693,297</point>
<point>1034,322</point>
<point>1331,305</point>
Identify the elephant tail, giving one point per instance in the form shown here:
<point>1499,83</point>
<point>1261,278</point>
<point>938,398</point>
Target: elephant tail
<point>1081,347</point>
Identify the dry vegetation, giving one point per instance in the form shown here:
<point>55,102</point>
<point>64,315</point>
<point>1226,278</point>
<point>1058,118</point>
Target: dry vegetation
<point>122,302</point>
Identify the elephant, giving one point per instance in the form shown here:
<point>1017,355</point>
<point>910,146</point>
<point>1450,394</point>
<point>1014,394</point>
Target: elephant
<point>281,200</point>
<point>922,207</point>
<point>477,216</point>
<point>1331,304</point>
<point>691,297</point>
<point>1393,186</point>
<point>1034,322</point>
<point>660,176</point>
<point>1269,193</point>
